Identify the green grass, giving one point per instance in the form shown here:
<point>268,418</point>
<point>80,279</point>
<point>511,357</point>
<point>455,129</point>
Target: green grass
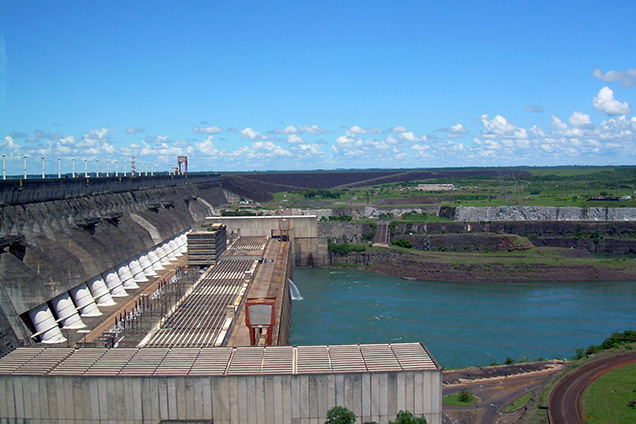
<point>607,399</point>
<point>454,400</point>
<point>518,403</point>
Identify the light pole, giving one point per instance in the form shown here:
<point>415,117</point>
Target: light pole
<point>73,166</point>
<point>24,166</point>
<point>43,173</point>
<point>96,168</point>
<point>59,167</point>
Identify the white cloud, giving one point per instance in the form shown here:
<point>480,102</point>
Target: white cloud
<point>289,129</point>
<point>579,119</point>
<point>261,150</point>
<point>456,131</point>
<point>132,130</point>
<point>207,147</point>
<point>500,127</point>
<point>409,136</point>
<point>312,129</point>
<point>207,130</point>
<point>294,139</point>
<point>398,129</point>
<point>605,103</point>
<point>250,134</point>
<point>358,130</point>
<point>627,78</point>
<point>9,144</point>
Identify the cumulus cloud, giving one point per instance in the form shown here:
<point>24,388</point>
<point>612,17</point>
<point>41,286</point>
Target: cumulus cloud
<point>289,129</point>
<point>155,139</point>
<point>626,78</point>
<point>500,127</point>
<point>456,131</point>
<point>261,150</point>
<point>534,109</point>
<point>312,129</point>
<point>409,136</point>
<point>358,130</point>
<point>132,130</point>
<point>580,120</point>
<point>250,134</point>
<point>164,150</point>
<point>398,129</point>
<point>605,103</point>
<point>9,144</point>
<point>294,139</point>
<point>207,130</point>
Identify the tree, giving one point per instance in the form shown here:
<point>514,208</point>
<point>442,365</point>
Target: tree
<point>465,396</point>
<point>340,415</point>
<point>402,243</point>
<point>406,417</point>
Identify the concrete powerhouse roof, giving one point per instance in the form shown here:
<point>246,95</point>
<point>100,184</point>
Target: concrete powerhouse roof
<point>221,361</point>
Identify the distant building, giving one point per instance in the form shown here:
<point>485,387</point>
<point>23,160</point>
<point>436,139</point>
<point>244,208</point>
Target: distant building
<point>435,187</point>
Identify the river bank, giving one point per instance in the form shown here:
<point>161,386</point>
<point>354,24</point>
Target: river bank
<point>541,264</point>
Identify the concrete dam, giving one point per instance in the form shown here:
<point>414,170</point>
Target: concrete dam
<point>79,257</point>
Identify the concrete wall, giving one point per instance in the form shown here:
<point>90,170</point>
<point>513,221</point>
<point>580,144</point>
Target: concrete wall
<point>275,399</point>
<point>249,226</point>
<point>309,249</point>
<point>15,192</point>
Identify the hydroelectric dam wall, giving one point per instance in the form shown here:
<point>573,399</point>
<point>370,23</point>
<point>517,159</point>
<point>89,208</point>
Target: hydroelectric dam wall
<point>61,237</point>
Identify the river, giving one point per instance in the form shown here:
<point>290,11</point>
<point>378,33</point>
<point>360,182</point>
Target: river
<point>462,324</point>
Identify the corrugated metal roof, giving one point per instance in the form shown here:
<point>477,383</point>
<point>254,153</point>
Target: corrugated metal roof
<point>278,360</point>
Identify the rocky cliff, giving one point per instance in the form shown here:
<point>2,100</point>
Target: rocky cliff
<point>542,213</point>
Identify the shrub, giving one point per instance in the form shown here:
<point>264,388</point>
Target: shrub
<point>406,417</point>
<point>344,248</point>
<point>402,243</point>
<point>465,396</point>
<point>340,415</point>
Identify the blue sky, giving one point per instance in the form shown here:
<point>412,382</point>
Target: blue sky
<point>317,85</point>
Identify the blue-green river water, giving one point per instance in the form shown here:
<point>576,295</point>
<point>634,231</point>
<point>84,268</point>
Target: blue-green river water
<point>462,324</point>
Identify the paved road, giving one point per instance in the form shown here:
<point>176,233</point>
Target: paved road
<point>565,399</point>
<point>496,387</point>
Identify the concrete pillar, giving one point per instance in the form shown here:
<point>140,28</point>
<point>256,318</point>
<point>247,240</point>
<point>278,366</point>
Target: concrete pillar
<point>169,249</point>
<point>115,284</point>
<point>146,265</point>
<point>126,276</point>
<point>155,260</point>
<point>137,271</point>
<point>66,312</point>
<point>45,325</point>
<point>84,300</point>
<point>100,291</point>
<point>163,254</point>
<point>175,247</point>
